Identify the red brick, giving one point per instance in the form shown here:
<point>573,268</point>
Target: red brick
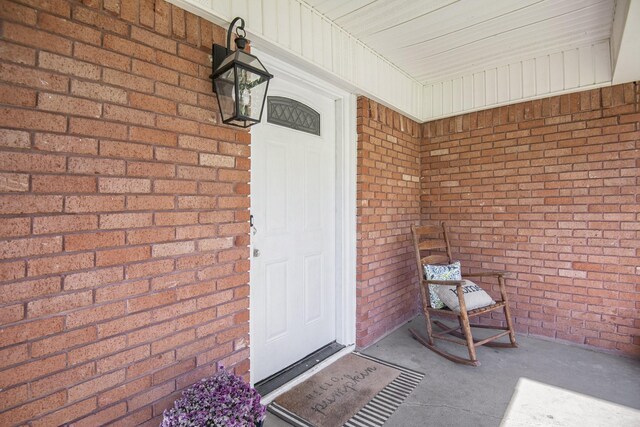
<point>149,268</point>
<point>14,227</point>
<point>147,302</point>
<point>152,103</point>
<point>175,186</point>
<point>86,241</point>
<point>101,57</point>
<point>14,139</point>
<point>24,291</point>
<point>99,91</point>
<point>124,391</point>
<point>77,204</point>
<point>152,202</point>
<point>130,81</point>
<point>67,28</point>
<point>152,136</point>
<point>16,12</point>
<point>129,48</point>
<point>20,248</point>
<point>59,264</point>
<point>151,395</point>
<point>124,185</point>
<point>63,184</point>
<point>34,409</point>
<point>151,71</point>
<point>70,105</point>
<point>123,358</point>
<point>102,417</point>
<point>25,162</point>
<point>176,155</point>
<point>179,125</point>
<point>57,7</point>
<point>36,38</point>
<point>33,78</point>
<point>17,96</point>
<point>172,249</point>
<point>121,290</point>
<point>125,220</point>
<point>30,371</point>
<point>34,120</point>
<point>57,304</point>
<point>148,169</point>
<point>18,54</point>
<point>95,314</point>
<point>128,115</point>
<point>122,256</point>
<point>97,128</point>
<point>24,204</point>
<point>125,150</point>
<point>175,93</point>
<point>61,416</point>
<point>11,314</point>
<point>99,20</point>
<point>196,202</point>
<point>97,166</point>
<point>65,143</point>
<point>154,40</point>
<point>64,341</point>
<point>96,385</point>
<point>96,350</point>
<point>32,330</point>
<point>64,223</point>
<point>70,66</point>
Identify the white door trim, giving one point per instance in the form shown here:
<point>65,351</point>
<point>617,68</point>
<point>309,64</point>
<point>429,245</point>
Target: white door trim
<point>346,163</point>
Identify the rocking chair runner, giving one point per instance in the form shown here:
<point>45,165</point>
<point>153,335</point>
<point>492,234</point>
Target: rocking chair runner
<point>432,238</point>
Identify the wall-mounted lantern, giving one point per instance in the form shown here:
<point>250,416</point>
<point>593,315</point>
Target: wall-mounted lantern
<point>240,81</point>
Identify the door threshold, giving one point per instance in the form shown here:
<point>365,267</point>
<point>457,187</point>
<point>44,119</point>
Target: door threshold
<point>285,375</point>
<point>288,378</point>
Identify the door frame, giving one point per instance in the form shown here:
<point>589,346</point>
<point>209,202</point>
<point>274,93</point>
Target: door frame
<point>346,140</point>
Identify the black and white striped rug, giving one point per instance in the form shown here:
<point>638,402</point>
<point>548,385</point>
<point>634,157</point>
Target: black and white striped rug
<point>375,412</point>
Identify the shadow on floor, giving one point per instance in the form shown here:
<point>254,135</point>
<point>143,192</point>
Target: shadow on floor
<point>457,395</point>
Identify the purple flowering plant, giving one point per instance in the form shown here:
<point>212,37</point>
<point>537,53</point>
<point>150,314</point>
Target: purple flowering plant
<point>223,400</point>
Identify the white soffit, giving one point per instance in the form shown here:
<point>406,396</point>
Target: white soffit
<point>436,58</point>
<point>294,31</point>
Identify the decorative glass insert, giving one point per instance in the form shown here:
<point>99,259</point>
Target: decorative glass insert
<point>292,114</point>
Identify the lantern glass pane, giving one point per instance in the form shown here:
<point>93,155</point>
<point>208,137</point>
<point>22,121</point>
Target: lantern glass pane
<point>250,60</point>
<point>252,89</point>
<point>225,89</point>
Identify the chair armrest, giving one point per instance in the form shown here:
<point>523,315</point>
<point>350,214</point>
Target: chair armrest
<point>444,282</point>
<point>487,274</point>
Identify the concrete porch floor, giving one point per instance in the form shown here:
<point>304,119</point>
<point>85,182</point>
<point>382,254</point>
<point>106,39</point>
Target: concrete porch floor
<point>456,395</point>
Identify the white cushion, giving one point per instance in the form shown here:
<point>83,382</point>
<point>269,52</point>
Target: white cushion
<point>474,296</point>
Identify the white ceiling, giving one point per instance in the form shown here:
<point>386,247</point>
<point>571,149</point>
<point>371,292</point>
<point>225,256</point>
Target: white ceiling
<point>434,40</point>
<point>430,59</point>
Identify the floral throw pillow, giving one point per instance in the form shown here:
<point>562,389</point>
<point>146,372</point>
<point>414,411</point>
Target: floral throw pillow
<point>440,272</point>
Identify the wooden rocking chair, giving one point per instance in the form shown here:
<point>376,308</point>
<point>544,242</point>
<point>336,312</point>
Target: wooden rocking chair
<point>433,238</point>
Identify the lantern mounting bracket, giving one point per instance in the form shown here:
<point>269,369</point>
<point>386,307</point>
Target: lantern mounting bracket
<point>221,52</point>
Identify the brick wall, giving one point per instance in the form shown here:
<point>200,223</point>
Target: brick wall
<point>123,212</point>
<point>388,202</point>
<point>548,190</point>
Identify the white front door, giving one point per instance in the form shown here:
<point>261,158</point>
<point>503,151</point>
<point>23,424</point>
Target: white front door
<point>293,206</point>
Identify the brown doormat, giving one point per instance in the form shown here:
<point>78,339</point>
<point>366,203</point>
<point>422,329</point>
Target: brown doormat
<point>355,390</point>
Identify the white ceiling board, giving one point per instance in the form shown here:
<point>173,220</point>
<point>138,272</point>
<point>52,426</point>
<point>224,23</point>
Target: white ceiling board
<point>436,39</point>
